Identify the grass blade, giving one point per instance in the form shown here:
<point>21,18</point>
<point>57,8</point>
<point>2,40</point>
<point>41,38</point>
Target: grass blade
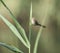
<point>30,21</point>
<point>30,27</point>
<point>14,30</point>
<point>12,48</point>
<point>19,28</point>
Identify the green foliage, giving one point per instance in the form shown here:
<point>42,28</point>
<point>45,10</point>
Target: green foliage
<point>20,32</point>
<point>12,48</point>
<point>14,30</point>
<point>19,28</point>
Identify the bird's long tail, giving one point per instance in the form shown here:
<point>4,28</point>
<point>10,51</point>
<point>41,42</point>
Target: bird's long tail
<point>42,25</point>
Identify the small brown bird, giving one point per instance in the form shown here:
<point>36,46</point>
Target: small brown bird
<point>35,22</point>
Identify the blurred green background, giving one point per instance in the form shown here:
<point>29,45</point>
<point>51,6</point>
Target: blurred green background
<point>50,38</point>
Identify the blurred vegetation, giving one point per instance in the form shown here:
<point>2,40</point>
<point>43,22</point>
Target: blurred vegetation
<point>50,38</point>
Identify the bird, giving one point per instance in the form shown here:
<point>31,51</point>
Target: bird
<point>36,23</point>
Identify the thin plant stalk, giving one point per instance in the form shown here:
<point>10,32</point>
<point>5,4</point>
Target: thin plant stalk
<point>38,37</point>
<point>41,29</point>
<point>30,27</point>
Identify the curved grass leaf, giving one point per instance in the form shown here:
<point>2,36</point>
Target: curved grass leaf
<point>14,30</point>
<point>19,27</point>
<point>12,48</point>
<point>38,37</point>
<point>45,13</point>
